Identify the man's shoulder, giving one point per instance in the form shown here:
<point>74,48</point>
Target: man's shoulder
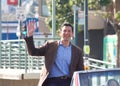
<point>52,42</point>
<point>76,47</point>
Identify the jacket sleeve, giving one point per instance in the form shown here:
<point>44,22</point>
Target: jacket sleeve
<point>32,50</point>
<point>81,61</point>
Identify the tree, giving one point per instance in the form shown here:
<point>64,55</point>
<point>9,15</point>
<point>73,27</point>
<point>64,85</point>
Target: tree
<point>117,16</point>
<point>104,2</point>
<point>64,12</point>
<point>64,9</point>
<point>98,4</point>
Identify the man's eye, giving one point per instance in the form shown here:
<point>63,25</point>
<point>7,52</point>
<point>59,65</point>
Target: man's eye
<point>64,31</point>
<point>69,31</point>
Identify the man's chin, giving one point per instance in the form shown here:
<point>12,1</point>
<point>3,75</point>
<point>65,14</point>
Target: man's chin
<point>67,40</point>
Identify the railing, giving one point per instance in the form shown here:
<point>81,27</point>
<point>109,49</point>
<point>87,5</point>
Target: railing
<point>14,55</point>
<point>99,64</point>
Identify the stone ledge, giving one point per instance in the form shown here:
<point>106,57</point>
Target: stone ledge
<point>18,74</point>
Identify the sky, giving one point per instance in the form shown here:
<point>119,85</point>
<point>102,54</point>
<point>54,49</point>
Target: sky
<point>4,6</point>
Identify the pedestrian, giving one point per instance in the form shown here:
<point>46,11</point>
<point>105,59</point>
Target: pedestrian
<point>62,58</point>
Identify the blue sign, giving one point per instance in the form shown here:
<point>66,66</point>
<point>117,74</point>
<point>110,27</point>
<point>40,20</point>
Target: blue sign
<point>24,25</point>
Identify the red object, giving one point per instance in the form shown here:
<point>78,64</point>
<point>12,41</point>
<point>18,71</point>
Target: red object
<point>12,2</point>
<point>77,82</point>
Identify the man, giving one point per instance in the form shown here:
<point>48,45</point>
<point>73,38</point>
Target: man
<point>62,58</point>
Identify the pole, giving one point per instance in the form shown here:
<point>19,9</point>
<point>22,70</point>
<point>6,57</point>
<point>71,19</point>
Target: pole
<point>86,23</point>
<point>86,41</point>
<point>75,8</point>
<point>118,48</point>
<point>53,19</point>
<point>19,22</point>
<point>0,31</point>
<point>0,23</point>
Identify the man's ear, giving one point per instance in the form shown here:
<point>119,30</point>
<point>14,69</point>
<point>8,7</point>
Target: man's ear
<point>73,35</point>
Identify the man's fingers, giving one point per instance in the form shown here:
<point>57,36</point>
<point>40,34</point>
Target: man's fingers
<point>31,25</point>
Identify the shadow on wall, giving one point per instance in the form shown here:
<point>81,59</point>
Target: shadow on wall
<point>95,41</point>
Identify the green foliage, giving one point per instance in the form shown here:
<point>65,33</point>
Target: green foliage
<point>97,4</point>
<point>64,12</point>
<point>92,4</point>
<point>64,9</point>
<point>117,16</point>
<point>63,1</point>
<point>104,2</point>
<point>106,15</point>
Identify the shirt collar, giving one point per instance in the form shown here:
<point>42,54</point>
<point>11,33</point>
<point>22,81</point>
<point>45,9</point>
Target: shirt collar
<point>60,43</point>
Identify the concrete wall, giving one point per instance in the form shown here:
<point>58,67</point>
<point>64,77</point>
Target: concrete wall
<point>27,82</point>
<point>9,77</point>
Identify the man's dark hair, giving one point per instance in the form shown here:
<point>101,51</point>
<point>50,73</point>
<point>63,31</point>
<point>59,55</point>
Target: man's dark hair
<point>67,24</point>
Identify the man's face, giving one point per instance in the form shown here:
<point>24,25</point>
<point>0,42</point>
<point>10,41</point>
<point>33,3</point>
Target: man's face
<point>66,33</point>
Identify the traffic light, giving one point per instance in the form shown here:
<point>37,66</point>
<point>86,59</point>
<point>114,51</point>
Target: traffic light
<point>24,31</point>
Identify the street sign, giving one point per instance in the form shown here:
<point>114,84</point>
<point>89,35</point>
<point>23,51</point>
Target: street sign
<point>25,27</point>
<point>31,19</point>
<point>87,49</point>
<point>12,2</point>
<point>20,13</point>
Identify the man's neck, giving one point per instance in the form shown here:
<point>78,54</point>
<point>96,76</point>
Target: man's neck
<point>66,43</point>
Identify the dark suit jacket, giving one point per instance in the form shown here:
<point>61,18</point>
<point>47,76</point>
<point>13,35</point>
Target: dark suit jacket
<point>49,50</point>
